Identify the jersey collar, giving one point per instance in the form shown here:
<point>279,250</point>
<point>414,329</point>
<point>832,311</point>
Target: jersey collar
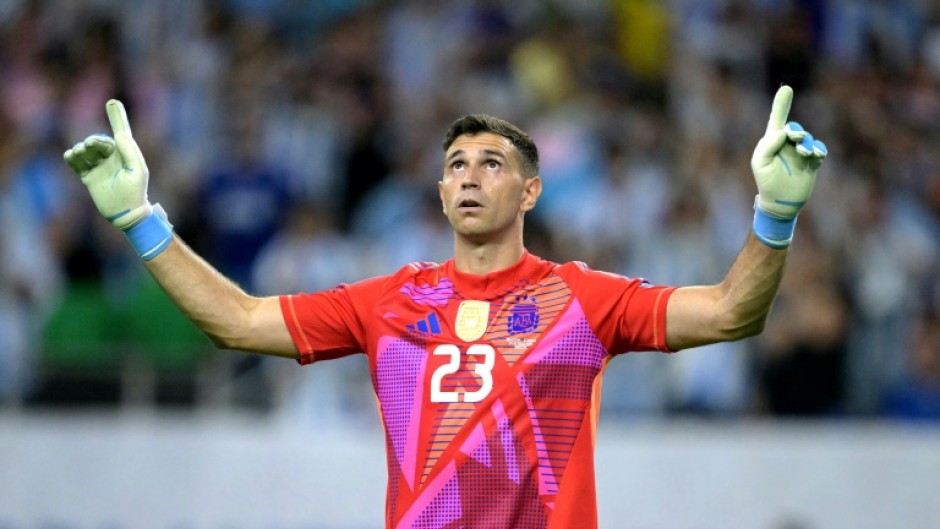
<point>494,284</point>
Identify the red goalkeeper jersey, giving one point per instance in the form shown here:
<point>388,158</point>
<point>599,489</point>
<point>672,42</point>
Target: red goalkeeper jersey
<point>488,386</point>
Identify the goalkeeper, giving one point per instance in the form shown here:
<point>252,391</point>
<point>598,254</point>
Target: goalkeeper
<point>486,367</point>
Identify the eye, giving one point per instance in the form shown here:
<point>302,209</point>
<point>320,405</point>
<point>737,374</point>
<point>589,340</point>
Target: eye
<point>456,166</point>
<point>493,164</point>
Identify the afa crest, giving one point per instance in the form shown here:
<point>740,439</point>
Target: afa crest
<point>523,317</point>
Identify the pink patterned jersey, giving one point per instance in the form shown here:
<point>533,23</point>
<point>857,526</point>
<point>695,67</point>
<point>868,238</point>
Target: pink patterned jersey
<point>488,386</point>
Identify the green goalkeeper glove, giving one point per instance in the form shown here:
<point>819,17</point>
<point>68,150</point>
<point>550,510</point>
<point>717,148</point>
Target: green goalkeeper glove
<point>784,163</point>
<point>116,175</point>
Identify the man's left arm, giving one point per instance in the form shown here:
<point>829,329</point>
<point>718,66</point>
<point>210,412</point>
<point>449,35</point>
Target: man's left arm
<point>785,163</point>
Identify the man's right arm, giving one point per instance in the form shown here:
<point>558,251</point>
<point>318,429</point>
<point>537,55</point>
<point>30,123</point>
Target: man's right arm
<point>221,309</point>
<point>116,176</point>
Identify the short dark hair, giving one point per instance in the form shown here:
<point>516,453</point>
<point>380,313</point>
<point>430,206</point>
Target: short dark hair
<point>482,123</point>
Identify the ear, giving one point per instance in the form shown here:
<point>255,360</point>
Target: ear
<point>531,190</point>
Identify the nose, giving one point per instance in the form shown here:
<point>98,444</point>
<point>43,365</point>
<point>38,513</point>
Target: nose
<point>470,179</point>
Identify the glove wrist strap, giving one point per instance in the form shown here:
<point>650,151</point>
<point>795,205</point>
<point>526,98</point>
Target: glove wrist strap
<point>776,232</point>
<point>152,235</point>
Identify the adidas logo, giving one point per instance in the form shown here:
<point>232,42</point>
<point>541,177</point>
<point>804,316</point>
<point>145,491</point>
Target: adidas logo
<point>428,325</point>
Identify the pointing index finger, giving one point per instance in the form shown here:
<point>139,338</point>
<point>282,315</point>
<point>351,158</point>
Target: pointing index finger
<point>781,108</point>
<point>118,117</point>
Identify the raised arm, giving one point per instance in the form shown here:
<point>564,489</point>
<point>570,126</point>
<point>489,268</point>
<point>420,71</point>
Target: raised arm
<point>116,175</point>
<point>785,163</point>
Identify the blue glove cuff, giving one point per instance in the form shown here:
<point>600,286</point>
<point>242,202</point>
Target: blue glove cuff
<point>150,236</point>
<point>773,231</point>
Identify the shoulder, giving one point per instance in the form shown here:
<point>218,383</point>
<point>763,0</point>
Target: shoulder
<point>417,267</point>
<point>581,271</point>
<point>417,272</point>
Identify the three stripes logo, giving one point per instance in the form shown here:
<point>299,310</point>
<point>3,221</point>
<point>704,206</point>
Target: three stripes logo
<point>428,325</point>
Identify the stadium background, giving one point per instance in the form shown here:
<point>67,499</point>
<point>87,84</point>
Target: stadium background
<point>296,145</point>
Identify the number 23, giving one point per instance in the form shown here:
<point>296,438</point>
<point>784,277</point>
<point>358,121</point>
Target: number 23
<point>483,369</point>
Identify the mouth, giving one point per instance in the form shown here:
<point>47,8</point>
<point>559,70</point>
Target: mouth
<point>469,205</point>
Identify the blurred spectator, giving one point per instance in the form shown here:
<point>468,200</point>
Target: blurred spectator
<point>31,205</point>
<point>917,395</point>
<point>802,352</point>
<point>293,144</point>
<point>361,91</point>
<point>308,253</point>
<point>399,220</point>
<point>792,43</point>
<point>242,202</point>
<point>892,254</point>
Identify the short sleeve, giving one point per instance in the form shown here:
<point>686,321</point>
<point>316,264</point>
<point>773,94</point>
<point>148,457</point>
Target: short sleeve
<point>627,314</point>
<point>331,323</point>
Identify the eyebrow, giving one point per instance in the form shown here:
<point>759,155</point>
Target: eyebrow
<point>487,152</point>
<point>453,155</point>
<point>496,154</point>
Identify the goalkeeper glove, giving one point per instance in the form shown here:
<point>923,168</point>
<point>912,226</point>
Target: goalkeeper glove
<point>784,164</point>
<point>116,175</point>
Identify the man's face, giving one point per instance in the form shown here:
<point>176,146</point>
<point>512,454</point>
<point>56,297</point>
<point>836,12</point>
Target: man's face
<point>483,190</point>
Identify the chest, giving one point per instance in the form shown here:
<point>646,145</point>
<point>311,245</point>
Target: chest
<point>436,346</point>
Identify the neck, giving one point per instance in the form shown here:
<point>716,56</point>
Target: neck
<point>480,259</point>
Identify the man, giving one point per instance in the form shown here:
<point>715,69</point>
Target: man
<point>486,367</point>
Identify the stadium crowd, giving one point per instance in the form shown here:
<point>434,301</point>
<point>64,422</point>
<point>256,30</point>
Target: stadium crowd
<point>296,145</point>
